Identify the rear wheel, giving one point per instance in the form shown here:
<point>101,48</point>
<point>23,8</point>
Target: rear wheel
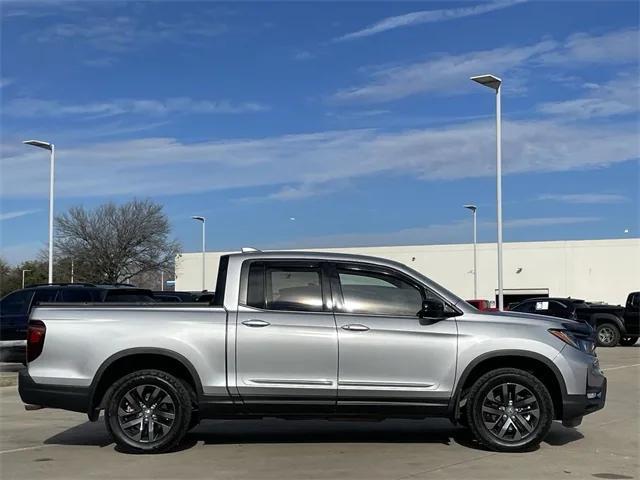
<point>608,335</point>
<point>628,341</point>
<point>148,412</point>
<point>509,410</point>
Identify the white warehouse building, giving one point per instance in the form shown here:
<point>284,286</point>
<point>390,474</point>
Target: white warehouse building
<point>594,270</point>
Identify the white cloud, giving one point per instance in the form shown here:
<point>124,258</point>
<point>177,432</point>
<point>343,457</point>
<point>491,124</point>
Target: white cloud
<point>5,82</point>
<point>584,198</point>
<point>445,74</point>
<point>617,97</point>
<point>150,165</point>
<point>449,74</point>
<point>17,214</point>
<point>427,16</point>
<point>621,46</point>
<point>33,107</point>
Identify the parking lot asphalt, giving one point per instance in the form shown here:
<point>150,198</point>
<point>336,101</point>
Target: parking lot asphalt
<point>54,444</point>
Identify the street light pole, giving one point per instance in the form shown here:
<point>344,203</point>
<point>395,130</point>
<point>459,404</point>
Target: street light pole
<point>162,280</point>
<point>204,221</point>
<point>495,83</point>
<point>474,210</point>
<point>23,272</point>
<point>51,147</point>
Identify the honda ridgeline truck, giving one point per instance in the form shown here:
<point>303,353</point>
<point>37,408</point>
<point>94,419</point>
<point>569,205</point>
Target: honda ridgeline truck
<point>299,335</point>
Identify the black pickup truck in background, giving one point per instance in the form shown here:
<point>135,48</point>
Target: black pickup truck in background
<point>613,324</point>
<point>16,306</point>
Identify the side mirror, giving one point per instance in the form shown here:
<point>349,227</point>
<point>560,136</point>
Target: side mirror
<point>432,309</point>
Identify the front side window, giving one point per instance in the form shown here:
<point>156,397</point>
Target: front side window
<point>378,294</point>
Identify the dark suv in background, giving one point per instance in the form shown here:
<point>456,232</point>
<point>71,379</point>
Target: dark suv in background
<point>16,307</point>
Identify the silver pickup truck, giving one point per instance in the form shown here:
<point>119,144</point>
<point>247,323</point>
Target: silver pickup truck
<point>295,335</point>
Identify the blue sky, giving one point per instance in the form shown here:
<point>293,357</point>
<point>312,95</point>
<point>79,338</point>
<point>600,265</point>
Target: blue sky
<point>302,124</point>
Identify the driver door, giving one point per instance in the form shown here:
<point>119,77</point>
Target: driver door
<point>388,356</point>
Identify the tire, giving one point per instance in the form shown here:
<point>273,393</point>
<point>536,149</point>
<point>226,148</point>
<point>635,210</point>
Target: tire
<point>628,341</point>
<point>148,399</point>
<point>509,427</point>
<point>607,335</point>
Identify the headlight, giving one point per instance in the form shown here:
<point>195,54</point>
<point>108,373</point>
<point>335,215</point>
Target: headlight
<point>582,343</point>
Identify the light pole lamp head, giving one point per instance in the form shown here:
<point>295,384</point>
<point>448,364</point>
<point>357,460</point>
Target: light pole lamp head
<point>473,208</point>
<point>488,80</point>
<point>199,218</point>
<point>39,144</point>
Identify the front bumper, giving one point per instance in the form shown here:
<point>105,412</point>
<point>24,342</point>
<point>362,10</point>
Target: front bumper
<point>574,407</point>
<point>65,397</point>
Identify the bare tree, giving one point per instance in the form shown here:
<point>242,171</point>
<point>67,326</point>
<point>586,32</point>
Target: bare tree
<point>114,243</point>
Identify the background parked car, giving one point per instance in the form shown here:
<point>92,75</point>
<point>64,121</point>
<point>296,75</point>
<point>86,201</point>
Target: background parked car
<point>612,323</point>
<point>16,307</point>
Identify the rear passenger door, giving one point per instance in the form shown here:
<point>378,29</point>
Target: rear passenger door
<point>286,341</point>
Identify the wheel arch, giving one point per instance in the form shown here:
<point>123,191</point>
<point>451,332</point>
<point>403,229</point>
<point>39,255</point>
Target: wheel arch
<point>600,318</point>
<point>540,366</point>
<point>130,360</point>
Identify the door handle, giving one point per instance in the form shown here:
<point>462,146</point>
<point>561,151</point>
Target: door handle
<point>355,327</point>
<point>255,323</point>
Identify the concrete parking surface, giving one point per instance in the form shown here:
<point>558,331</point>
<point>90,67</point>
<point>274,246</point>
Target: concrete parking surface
<point>55,444</point>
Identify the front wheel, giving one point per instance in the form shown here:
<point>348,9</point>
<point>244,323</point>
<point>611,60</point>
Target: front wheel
<point>148,411</point>
<point>509,410</point>
<point>607,335</point>
<point>628,341</point>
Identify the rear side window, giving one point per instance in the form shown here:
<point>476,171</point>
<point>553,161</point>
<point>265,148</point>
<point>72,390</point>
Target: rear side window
<point>76,295</point>
<point>16,303</point>
<point>288,288</point>
<point>127,297</point>
<point>527,307</point>
<point>379,294</point>
<point>44,295</point>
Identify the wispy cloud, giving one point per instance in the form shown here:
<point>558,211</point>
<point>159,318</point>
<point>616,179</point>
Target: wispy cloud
<point>101,62</point>
<point>17,214</point>
<point>621,46</point>
<point>548,221</point>
<point>617,97</point>
<point>444,233</point>
<point>448,74</point>
<point>124,33</point>
<point>302,55</point>
<point>5,82</point>
<point>427,16</point>
<point>584,198</point>
<point>33,107</point>
<point>149,165</point>
<point>442,75</point>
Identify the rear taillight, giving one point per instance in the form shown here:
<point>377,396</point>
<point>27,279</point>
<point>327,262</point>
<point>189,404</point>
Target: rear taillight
<point>35,339</point>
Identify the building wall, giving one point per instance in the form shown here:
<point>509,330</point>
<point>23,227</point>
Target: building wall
<point>595,270</point>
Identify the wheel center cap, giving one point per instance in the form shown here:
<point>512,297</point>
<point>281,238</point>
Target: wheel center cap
<point>510,410</point>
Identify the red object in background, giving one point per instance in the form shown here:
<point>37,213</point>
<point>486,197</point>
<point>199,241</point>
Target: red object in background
<point>482,305</point>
